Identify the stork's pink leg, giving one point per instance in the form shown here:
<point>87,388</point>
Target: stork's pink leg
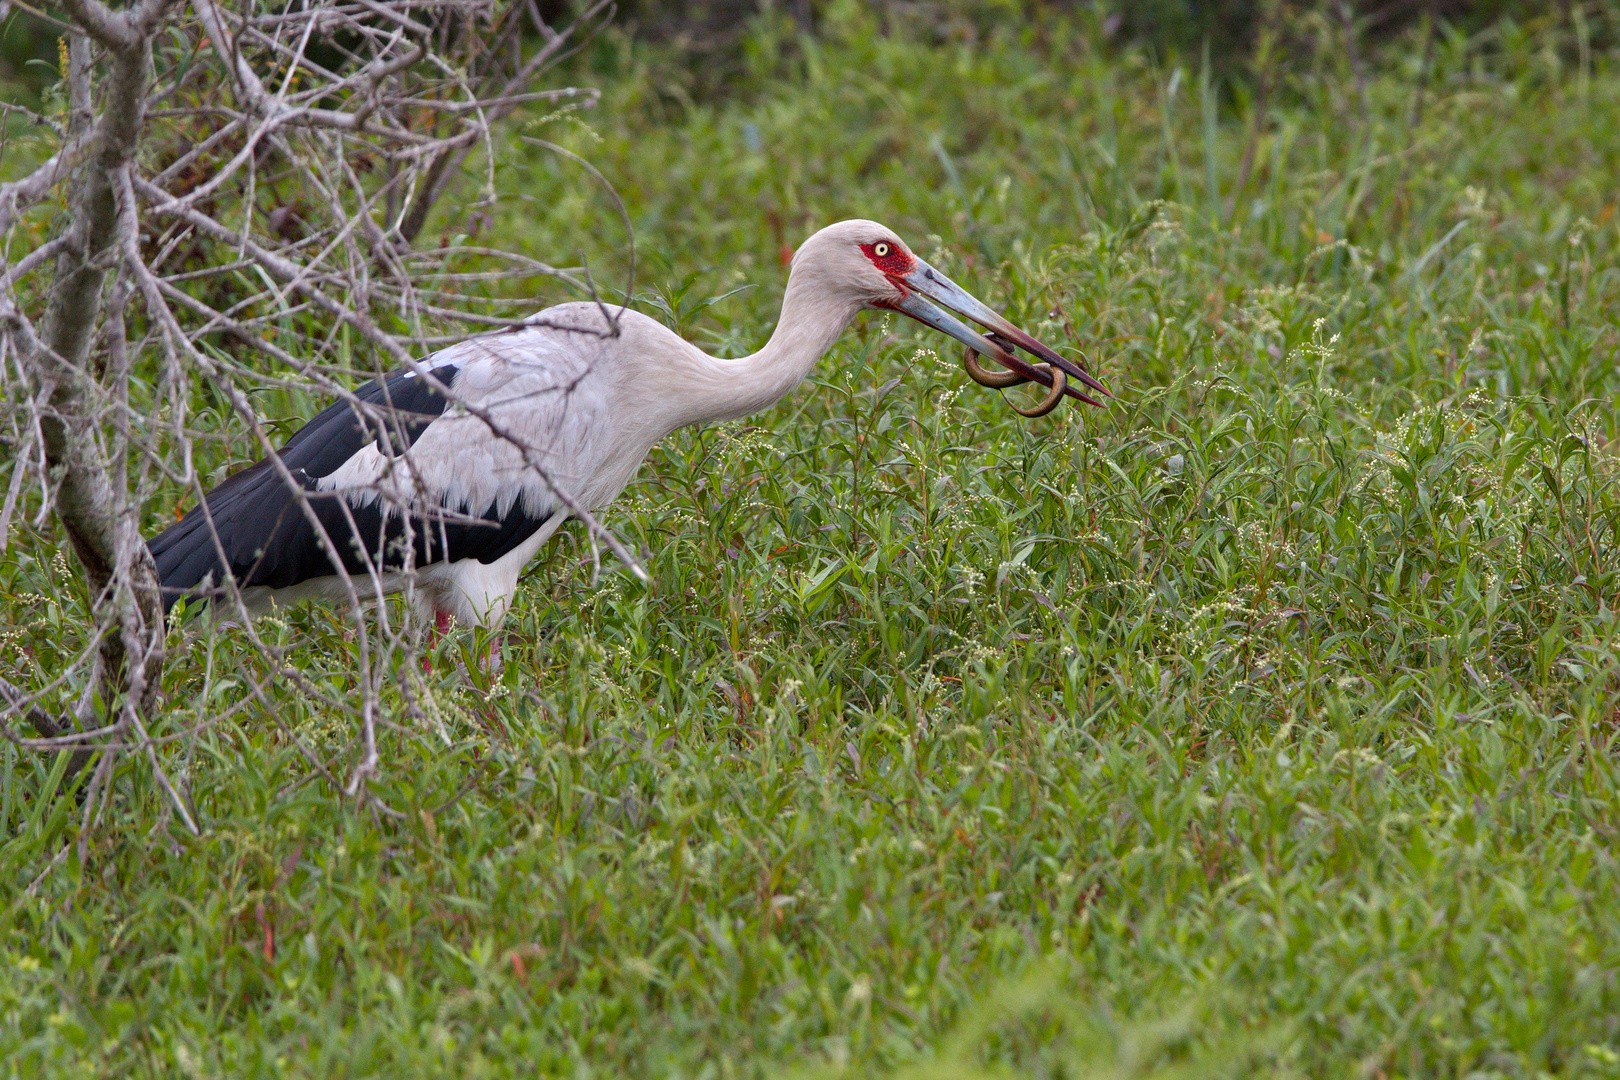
<point>440,628</point>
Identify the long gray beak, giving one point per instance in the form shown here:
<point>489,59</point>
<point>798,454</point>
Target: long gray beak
<point>934,296</point>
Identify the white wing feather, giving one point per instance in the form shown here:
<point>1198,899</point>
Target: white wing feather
<point>530,410</point>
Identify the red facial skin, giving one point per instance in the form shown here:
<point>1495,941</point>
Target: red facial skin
<point>895,265</point>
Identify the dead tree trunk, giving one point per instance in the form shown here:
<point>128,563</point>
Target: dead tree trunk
<point>89,495</point>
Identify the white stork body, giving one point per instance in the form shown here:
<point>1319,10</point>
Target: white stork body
<point>573,400</point>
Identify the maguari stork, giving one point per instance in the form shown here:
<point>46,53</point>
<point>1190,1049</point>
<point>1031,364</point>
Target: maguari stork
<point>448,474</point>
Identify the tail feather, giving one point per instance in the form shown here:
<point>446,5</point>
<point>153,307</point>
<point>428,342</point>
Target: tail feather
<point>187,553</point>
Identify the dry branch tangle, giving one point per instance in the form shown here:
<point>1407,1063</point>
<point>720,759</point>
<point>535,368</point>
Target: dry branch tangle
<point>248,186</point>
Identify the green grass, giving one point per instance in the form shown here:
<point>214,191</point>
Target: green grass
<point>1261,723</point>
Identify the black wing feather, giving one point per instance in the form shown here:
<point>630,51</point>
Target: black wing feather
<point>266,538</point>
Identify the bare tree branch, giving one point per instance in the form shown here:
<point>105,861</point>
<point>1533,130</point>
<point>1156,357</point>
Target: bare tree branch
<point>112,30</point>
<point>451,157</point>
<point>19,195</point>
<point>232,241</point>
<point>55,734</point>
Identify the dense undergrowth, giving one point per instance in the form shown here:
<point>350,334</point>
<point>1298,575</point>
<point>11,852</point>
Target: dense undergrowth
<point>1260,723</point>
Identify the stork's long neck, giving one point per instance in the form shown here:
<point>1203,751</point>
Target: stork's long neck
<point>812,318</point>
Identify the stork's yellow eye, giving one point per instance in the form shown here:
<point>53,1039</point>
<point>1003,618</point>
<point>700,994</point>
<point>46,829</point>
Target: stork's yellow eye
<point>880,249</point>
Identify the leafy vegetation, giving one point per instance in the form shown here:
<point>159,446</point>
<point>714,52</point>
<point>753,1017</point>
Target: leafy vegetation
<point>1262,722</point>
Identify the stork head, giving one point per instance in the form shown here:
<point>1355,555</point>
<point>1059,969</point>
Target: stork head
<point>872,267</point>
